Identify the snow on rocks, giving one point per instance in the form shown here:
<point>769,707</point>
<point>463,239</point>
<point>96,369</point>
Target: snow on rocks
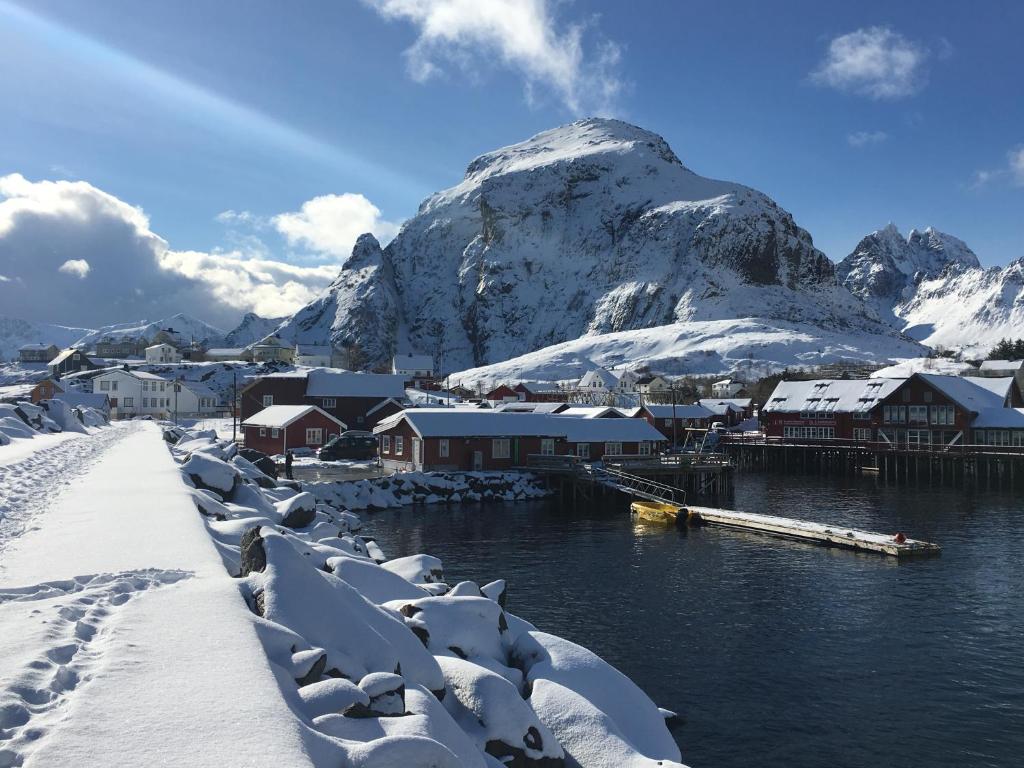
<point>25,420</point>
<point>381,661</point>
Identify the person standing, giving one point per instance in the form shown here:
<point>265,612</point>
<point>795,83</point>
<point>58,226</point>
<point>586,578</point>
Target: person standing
<point>288,465</point>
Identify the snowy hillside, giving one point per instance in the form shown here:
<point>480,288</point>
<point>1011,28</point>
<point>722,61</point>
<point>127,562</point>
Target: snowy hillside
<point>592,228</point>
<point>251,329</point>
<point>885,267</point>
<point>14,333</point>
<point>185,326</point>
<point>748,345</point>
<point>968,309</point>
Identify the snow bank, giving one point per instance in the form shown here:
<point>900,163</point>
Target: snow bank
<point>25,420</point>
<point>381,661</point>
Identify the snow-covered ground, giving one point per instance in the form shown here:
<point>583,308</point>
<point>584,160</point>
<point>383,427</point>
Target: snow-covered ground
<point>904,368</point>
<point>178,607</point>
<point>749,346</point>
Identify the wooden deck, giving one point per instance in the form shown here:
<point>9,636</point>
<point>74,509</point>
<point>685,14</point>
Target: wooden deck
<point>817,533</point>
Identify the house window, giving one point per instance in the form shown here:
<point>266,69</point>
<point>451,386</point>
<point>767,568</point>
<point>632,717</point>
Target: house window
<point>104,386</point>
<point>385,444</point>
<point>399,445</point>
<point>442,447</point>
<point>330,402</point>
<point>918,414</point>
<point>943,414</point>
<point>145,402</point>
<point>861,433</point>
<point>275,432</point>
<point>667,422</point>
<point>613,449</point>
<point>268,400</point>
<point>583,450</point>
<point>501,449</point>
<point>314,436</point>
<point>894,414</point>
<point>928,396</point>
<point>263,431</point>
<point>547,446</point>
<point>645,448</point>
<point>128,402</point>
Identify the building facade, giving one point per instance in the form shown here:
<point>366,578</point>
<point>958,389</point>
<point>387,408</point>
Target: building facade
<point>163,354</point>
<point>282,428</point>
<point>37,353</point>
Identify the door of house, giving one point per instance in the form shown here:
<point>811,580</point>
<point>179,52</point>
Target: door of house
<point>478,461</point>
<point>417,452</point>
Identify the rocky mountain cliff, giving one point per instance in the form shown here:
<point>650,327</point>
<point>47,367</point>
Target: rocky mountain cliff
<point>185,326</point>
<point>15,332</point>
<point>885,268</point>
<point>591,228</point>
<point>250,329</point>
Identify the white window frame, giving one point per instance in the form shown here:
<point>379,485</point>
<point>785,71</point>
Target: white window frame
<point>547,446</point>
<point>104,386</point>
<point>268,400</point>
<point>399,445</point>
<point>667,422</point>
<point>330,402</point>
<point>128,402</point>
<point>613,449</point>
<point>583,450</point>
<point>275,432</point>
<point>263,431</point>
<point>385,444</point>
<point>314,436</point>
<point>443,448</point>
<point>645,447</point>
<point>501,448</point>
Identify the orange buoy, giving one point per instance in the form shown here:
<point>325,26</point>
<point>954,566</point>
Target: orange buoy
<point>899,538</point>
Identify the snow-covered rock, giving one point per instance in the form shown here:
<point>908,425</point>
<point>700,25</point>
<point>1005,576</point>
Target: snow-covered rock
<point>15,333</point>
<point>250,329</point>
<point>591,228</point>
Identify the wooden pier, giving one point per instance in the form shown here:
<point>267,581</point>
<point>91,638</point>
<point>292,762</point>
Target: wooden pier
<point>816,533</point>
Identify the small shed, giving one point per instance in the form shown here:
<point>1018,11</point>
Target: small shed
<point>281,428</point>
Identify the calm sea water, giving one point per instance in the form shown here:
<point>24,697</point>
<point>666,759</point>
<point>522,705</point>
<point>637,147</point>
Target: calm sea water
<point>777,653</point>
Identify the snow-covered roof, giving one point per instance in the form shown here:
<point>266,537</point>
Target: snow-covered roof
<point>693,411</point>
<point>62,356</point>
<point>16,391</point>
<point>280,416</point>
<point>411,362</point>
<point>325,383</point>
<point>1002,365</point>
<point>974,393</point>
<point>591,412</point>
<point>606,378</point>
<point>84,399</point>
<point>999,418</point>
<point>525,407</point>
<point>36,347</point>
<point>720,405</point>
<point>830,395</point>
<point>226,351</point>
<point>450,422</point>
<point>162,345</point>
<point>319,350</point>
<point>133,372</point>
<point>199,390</point>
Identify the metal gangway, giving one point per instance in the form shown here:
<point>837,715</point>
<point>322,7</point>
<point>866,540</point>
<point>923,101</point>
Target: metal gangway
<point>600,474</point>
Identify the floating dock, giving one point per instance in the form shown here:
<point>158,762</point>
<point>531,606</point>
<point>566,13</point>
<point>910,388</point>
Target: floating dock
<point>818,533</point>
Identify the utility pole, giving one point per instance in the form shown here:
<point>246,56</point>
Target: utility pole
<point>234,405</point>
<point>675,440</point>
<point>177,389</point>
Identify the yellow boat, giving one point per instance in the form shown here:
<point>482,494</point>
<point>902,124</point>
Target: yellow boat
<point>657,512</point>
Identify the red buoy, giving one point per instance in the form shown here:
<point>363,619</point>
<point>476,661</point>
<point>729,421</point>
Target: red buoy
<point>899,538</point>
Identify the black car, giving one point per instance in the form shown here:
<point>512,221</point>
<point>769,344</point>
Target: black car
<point>349,447</point>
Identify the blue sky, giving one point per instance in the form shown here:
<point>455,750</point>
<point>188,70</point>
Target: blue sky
<point>850,115</point>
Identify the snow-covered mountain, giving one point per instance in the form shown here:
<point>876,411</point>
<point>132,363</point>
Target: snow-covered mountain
<point>186,327</point>
<point>934,289</point>
<point>15,332</point>
<point>250,329</point>
<point>885,268</point>
<point>592,228</point>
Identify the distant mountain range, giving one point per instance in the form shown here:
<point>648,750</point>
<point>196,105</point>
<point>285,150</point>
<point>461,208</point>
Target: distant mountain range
<point>593,244</point>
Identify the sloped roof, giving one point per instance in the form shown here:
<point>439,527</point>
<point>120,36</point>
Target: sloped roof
<point>225,351</point>
<point>525,407</point>
<point>86,399</point>
<point>320,350</point>
<point>692,411</point>
<point>607,378</point>
<point>64,355</point>
<point>331,383</point>
<point>133,372</point>
<point>411,362</point>
<point>449,422</point>
<point>199,390</point>
<point>280,416</point>
<point>719,405</point>
<point>1002,365</point>
<point>974,393</point>
<point>831,395</point>
<point>35,347</point>
<point>999,418</point>
<point>591,412</point>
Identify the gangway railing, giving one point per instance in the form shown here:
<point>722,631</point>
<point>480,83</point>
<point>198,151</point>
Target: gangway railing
<point>634,485</point>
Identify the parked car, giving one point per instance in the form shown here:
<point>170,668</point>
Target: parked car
<point>349,446</point>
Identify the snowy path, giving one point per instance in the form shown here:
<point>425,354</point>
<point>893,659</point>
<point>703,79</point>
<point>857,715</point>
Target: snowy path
<point>33,473</point>
<point>123,640</point>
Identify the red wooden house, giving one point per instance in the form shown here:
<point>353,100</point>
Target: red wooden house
<point>673,420</point>
<point>281,428</point>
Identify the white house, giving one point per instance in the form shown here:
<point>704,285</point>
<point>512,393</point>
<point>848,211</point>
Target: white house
<point>314,355</point>
<point>413,366</point>
<point>627,381</point>
<point>272,349</point>
<point>727,388</point>
<point>194,400</point>
<point>135,393</point>
<point>163,353</point>
<point>599,380</point>
<point>651,383</point>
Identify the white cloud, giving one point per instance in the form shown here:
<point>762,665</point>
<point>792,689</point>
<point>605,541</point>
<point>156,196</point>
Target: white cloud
<point>864,138</point>
<point>330,224</point>
<point>77,267</point>
<point>520,34</point>
<point>877,62</point>
<point>133,273</point>
<point>1013,171</point>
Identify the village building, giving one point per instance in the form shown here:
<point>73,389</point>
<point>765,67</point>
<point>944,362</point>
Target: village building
<point>193,399</point>
<point>357,399</point>
<point>530,407</point>
<point>120,347</point>
<point>538,392</point>
<point>163,354</point>
<point>37,353</point>
<point>727,388</point>
<point>272,350</point>
<point>135,393</point>
<point>413,367</point>
<point>225,354</point>
<point>282,428</point>
<point>502,393</point>
<point>33,392</point>
<point>473,439</point>
<point>1002,369</point>
<point>314,355</point>
<point>652,384</point>
<point>591,412</point>
<point>70,361</point>
<point>598,380</point>
<point>673,420</point>
<point>729,410</point>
